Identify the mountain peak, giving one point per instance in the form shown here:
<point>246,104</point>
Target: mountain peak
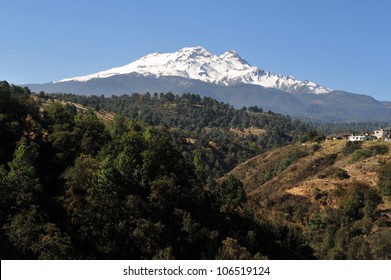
<point>197,63</point>
<point>193,49</point>
<point>193,53</point>
<point>232,54</point>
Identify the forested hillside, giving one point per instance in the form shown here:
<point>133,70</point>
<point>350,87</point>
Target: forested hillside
<point>182,177</point>
<point>75,187</point>
<point>213,135</point>
<point>336,193</point>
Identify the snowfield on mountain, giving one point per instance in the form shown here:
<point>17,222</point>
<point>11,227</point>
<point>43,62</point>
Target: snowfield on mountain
<point>199,64</point>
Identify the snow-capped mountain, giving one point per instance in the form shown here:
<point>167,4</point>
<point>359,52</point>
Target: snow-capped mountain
<point>226,78</point>
<point>197,63</point>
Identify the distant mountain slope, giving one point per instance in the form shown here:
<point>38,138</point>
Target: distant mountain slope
<point>336,106</point>
<point>343,106</point>
<point>239,95</point>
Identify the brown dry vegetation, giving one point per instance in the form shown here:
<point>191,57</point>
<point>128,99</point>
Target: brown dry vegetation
<point>314,184</point>
<point>298,170</point>
<point>101,114</point>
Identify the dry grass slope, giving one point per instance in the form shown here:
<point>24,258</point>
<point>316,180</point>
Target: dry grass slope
<point>308,176</point>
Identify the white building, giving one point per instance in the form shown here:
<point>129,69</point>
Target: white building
<point>381,133</point>
<point>359,137</point>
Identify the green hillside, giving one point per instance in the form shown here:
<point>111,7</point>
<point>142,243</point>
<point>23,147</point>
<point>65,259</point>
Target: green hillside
<point>73,186</point>
<point>215,136</point>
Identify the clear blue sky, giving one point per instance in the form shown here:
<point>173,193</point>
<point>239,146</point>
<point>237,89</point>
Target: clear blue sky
<point>342,44</point>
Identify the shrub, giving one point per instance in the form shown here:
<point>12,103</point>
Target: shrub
<point>289,159</point>
<point>379,149</point>
<point>384,175</point>
<point>360,154</point>
<point>315,223</point>
<point>350,147</point>
<point>318,194</point>
<point>316,147</point>
<point>342,174</point>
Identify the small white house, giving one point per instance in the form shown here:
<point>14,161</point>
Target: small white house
<point>354,138</point>
<point>381,133</point>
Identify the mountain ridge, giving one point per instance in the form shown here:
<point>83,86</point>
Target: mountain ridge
<point>199,64</point>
